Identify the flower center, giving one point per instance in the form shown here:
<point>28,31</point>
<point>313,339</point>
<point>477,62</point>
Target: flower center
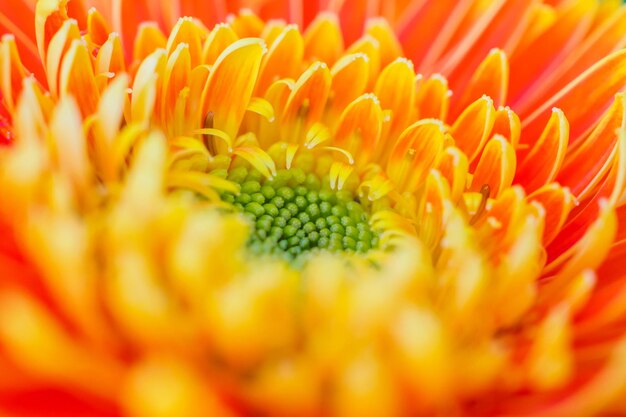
<point>296,212</point>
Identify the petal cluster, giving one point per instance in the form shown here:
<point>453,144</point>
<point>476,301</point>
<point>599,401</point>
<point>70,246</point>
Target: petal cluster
<point>483,141</point>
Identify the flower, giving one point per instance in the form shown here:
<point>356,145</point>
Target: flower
<point>340,208</point>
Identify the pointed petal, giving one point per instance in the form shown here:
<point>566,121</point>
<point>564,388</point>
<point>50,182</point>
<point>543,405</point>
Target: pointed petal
<point>12,72</point>
<point>49,17</point>
<point>189,31</point>
<point>371,49</point>
<point>77,78</point>
<point>473,127</point>
<point>558,203</point>
<point>149,39</point>
<point>97,27</point>
<point>417,150</point>
<point>395,89</point>
<point>454,166</point>
<point>507,124</point>
<point>144,96</point>
<point>595,87</point>
<point>323,40</point>
<point>231,84</point>
<point>350,77</point>
<point>306,102</point>
<point>585,166</point>
<point>433,98</point>
<point>221,37</point>
<point>390,47</point>
<point>59,45</point>
<point>283,59</point>
<point>496,166</point>
<point>540,165</point>
<point>529,65</point>
<point>490,78</point>
<point>360,127</point>
<point>111,56</point>
<point>246,24</point>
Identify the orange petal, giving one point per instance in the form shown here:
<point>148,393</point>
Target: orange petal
<point>541,164</point>
<point>490,78</point>
<point>502,25</point>
<point>208,12</point>
<point>586,165</point>
<point>176,78</point>
<point>370,47</point>
<point>49,17</point>
<point>11,72</point>
<point>454,167</point>
<point>306,102</point>
<point>473,127</point>
<point>221,37</point>
<point>111,56</point>
<point>231,84</point>
<point>557,202</point>
<point>360,127</point>
<point>59,45</point>
<point>350,75</point>
<point>595,87</point>
<point>606,39</point>
<point>189,31</point>
<point>97,27</point>
<point>323,40</point>
<point>433,98</point>
<point>423,21</point>
<point>149,39</point>
<point>149,74</point>
<point>549,49</point>
<point>277,95</point>
<point>496,167</point>
<point>283,59</point>
<point>395,89</point>
<point>390,47</point>
<point>507,124</point>
<point>77,78</point>
<point>17,19</point>
<point>417,150</point>
<point>246,24</point>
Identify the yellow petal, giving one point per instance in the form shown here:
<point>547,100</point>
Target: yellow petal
<point>350,77</point>
<point>12,72</point>
<point>490,78</point>
<point>283,59</point>
<point>59,45</point>
<point>323,40</point>
<point>231,84</point>
<point>390,47</point>
<point>417,150</point>
<point>496,166</point>
<point>395,89</point>
<point>473,127</point>
<point>188,31</point>
<point>149,38</point>
<point>221,37</point>
<point>433,98</point>
<point>360,127</point>
<point>77,78</point>
<point>306,102</point>
<point>111,56</point>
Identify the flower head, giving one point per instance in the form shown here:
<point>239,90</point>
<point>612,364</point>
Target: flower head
<point>302,209</point>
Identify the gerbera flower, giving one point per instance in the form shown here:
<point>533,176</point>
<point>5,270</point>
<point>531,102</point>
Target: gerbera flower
<point>338,208</point>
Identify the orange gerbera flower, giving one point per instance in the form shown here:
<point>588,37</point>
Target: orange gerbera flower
<point>323,208</point>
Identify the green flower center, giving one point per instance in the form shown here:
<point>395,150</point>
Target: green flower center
<point>296,212</point>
